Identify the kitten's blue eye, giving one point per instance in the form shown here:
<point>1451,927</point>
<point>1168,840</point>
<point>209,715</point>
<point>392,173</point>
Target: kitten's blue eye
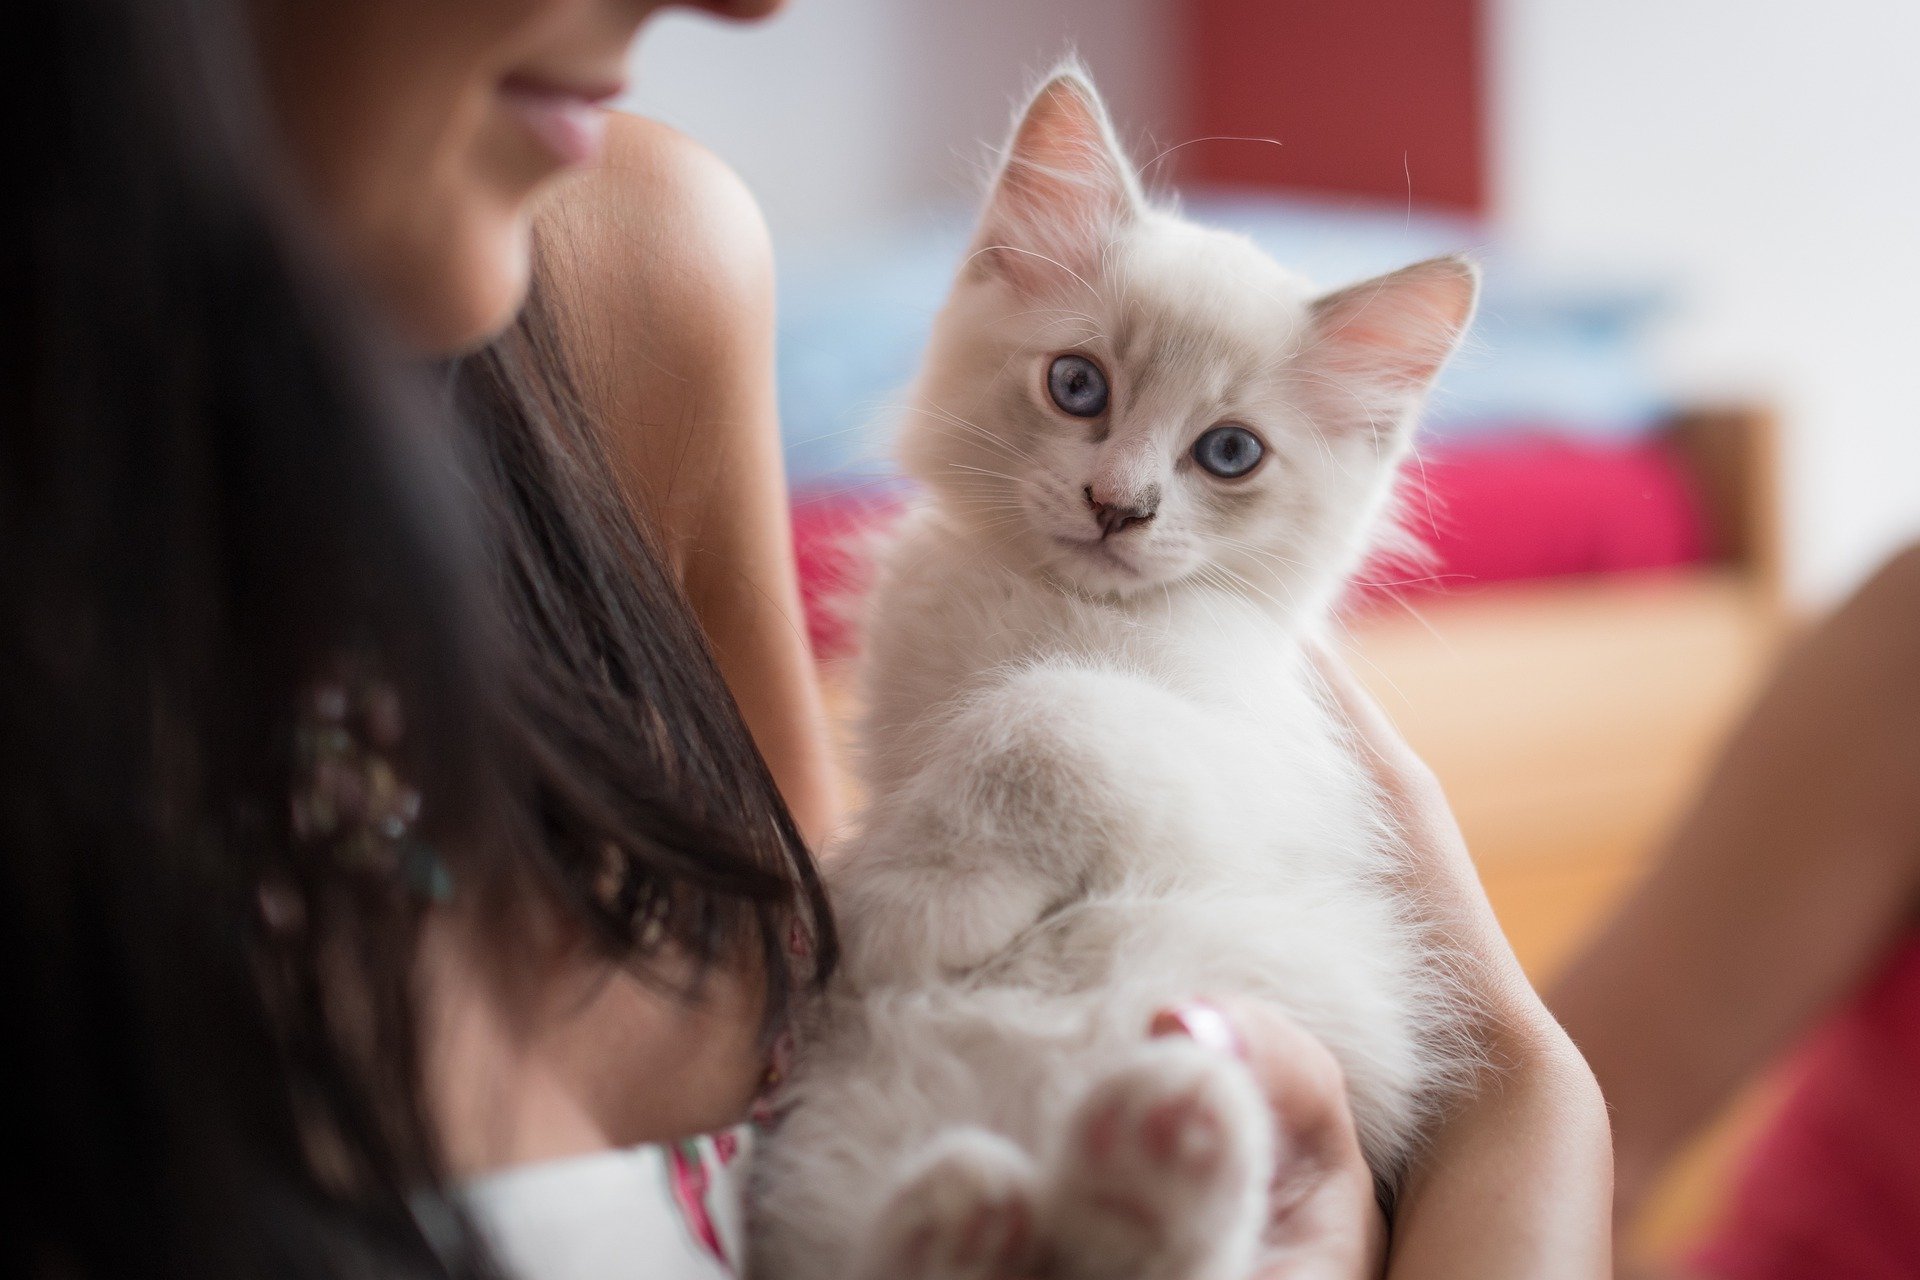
<point>1228,451</point>
<point>1077,386</point>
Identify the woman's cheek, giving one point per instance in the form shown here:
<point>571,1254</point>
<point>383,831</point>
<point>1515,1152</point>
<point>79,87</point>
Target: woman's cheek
<point>393,119</point>
<point>652,1066</point>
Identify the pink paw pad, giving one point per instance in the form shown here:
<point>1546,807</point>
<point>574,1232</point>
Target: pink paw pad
<point>1165,1168</point>
<point>1184,1134</point>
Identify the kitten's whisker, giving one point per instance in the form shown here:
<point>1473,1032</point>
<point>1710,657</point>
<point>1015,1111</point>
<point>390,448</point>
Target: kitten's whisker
<point>1260,552</point>
<point>999,373</point>
<point>1063,317</point>
<point>1249,585</point>
<point>1063,312</point>
<point>979,506</point>
<point>1214,137</point>
<point>1011,248</point>
<point>955,420</point>
<point>1007,510</point>
<point>984,471</point>
<point>1354,650</point>
<point>1425,622</point>
<point>1347,389</point>
<point>1206,600</point>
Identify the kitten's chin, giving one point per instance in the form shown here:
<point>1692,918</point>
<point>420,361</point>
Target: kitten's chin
<point>1096,568</point>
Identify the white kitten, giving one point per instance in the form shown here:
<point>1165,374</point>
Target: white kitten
<point>1101,780</point>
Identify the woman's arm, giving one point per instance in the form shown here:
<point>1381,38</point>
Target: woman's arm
<point>1517,1181</point>
<point>1797,866</point>
<point>662,273</point>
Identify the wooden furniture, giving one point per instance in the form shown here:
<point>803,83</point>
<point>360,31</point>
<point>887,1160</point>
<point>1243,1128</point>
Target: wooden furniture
<point>1570,717</point>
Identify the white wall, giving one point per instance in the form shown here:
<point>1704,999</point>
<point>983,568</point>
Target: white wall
<point>1768,152</point>
<point>847,112</point>
<point>804,105</point>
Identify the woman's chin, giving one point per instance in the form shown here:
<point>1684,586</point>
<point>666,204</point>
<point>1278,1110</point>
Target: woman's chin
<point>473,293</point>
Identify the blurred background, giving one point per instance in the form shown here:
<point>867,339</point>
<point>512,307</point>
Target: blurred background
<point>1690,413</point>
<point>1750,160</point>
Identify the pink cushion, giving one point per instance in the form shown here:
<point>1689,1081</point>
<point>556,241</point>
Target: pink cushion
<point>1518,506</point>
<point>1542,506</point>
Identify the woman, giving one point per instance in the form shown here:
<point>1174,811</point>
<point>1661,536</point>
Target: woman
<point>375,812</point>
<point>340,859</point>
<point>1785,904</point>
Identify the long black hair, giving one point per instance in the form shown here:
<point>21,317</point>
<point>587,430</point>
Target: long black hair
<point>639,762</point>
<point>217,496</point>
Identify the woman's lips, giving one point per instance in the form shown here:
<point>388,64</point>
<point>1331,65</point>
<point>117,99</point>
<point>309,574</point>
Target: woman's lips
<point>570,123</point>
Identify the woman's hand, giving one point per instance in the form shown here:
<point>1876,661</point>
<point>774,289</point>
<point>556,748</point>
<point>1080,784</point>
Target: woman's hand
<point>1517,1179</point>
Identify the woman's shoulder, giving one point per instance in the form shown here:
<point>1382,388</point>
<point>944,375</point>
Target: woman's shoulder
<point>663,228</point>
<point>660,270</point>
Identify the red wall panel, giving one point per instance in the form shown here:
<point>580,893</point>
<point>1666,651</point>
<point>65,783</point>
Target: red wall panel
<point>1366,97</point>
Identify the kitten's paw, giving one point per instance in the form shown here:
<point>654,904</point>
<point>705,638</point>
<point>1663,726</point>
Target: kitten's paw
<point>966,1214</point>
<point>1166,1170</point>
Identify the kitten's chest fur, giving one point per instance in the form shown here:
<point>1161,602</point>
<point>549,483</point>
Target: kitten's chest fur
<point>947,619</point>
<point>1114,807</point>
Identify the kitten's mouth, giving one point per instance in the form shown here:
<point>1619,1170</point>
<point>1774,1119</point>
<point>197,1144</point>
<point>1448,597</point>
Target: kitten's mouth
<point>1097,550</point>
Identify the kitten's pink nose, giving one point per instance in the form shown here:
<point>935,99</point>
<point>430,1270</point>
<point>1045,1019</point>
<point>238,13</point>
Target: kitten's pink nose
<point>1112,517</point>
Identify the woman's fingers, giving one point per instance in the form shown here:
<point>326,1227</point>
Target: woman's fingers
<point>1439,870</point>
<point>1326,1223</point>
<point>1403,777</point>
<point>1372,729</point>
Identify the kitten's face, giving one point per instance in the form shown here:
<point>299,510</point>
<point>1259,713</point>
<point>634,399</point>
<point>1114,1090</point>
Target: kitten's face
<point>1150,426</point>
<point>1123,401</point>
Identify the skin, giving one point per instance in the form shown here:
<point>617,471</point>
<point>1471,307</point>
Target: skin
<point>1325,1220</point>
<point>427,186</point>
<point>661,270</point>
<point>1780,892</point>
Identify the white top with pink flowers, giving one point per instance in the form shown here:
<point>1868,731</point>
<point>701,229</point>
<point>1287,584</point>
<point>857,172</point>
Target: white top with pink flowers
<point>658,1212</point>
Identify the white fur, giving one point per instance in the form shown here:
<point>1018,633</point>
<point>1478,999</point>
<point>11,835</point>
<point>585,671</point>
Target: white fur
<point>1101,780</point>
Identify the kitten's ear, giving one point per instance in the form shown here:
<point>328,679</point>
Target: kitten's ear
<point>1063,189</point>
<point>1382,341</point>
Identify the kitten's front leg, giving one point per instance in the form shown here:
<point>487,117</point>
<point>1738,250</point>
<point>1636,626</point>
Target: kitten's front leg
<point>1035,791</point>
<point>926,891</point>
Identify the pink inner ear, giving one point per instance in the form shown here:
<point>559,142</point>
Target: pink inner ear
<point>1399,327</point>
<point>1063,190</point>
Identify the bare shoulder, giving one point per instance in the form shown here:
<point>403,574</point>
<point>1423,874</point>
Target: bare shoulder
<point>660,245</point>
<point>660,272</point>
<point>1895,587</point>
